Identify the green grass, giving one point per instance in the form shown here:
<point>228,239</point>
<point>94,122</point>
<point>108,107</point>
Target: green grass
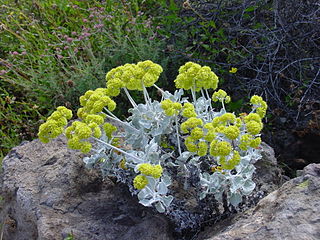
<point>52,52</point>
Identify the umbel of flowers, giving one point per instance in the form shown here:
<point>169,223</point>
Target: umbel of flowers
<point>163,140</point>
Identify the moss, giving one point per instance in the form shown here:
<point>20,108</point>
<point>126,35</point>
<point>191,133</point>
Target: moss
<point>304,184</point>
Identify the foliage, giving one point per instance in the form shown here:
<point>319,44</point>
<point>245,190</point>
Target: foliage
<point>16,120</point>
<point>213,151</point>
<point>51,52</point>
<point>274,45</point>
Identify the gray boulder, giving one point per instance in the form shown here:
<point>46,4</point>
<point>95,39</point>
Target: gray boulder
<point>289,213</point>
<point>48,195</point>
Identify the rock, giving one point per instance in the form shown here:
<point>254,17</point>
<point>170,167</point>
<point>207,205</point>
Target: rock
<point>48,195</point>
<point>291,212</point>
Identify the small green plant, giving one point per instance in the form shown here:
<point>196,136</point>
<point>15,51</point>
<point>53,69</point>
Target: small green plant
<point>206,152</point>
<point>69,237</point>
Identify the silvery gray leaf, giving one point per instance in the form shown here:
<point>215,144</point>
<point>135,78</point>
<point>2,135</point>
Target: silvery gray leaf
<point>166,179</point>
<point>167,200</point>
<point>236,183</point>
<point>248,187</point>
<point>152,183</point>
<point>185,156</point>
<point>235,199</point>
<point>160,208</point>
<point>162,188</point>
<point>146,202</point>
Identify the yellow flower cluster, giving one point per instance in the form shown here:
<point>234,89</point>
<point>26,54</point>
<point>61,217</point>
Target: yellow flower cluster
<point>210,133</point>
<point>194,145</point>
<point>190,124</point>
<point>122,164</point>
<point>79,131</point>
<point>220,148</point>
<point>259,105</point>
<point>227,157</point>
<point>188,110</point>
<point>247,141</point>
<point>76,133</point>
<point>93,102</point>
<point>233,70</point>
<point>55,124</point>
<point>150,170</point>
<point>253,123</point>
<point>230,163</point>
<point>221,96</point>
<point>140,181</point>
<point>193,76</point>
<point>109,129</point>
<point>225,119</point>
<point>132,77</point>
<point>171,108</point>
<point>228,125</point>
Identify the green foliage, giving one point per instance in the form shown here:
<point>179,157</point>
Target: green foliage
<point>57,50</point>
<point>69,237</point>
<point>18,120</point>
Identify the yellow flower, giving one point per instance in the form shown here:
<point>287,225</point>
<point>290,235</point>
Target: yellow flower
<point>221,148</point>
<point>231,132</point>
<point>150,170</point>
<point>170,108</point>
<point>191,123</point>
<point>188,110</point>
<point>202,148</point>
<point>220,96</point>
<point>109,129</point>
<point>259,105</point>
<point>140,181</point>
<point>230,163</point>
<point>122,164</point>
<point>233,70</point>
<point>193,76</point>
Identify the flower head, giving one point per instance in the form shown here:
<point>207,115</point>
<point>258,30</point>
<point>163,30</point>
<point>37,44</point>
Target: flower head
<point>259,105</point>
<point>193,76</point>
<point>221,96</point>
<point>140,181</point>
<point>233,70</point>
<point>150,170</point>
<point>132,76</point>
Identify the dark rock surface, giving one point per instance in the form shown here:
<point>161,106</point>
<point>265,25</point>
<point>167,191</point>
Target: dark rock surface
<point>289,213</point>
<point>48,194</point>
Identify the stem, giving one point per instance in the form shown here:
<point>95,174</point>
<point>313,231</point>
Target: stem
<point>162,92</point>
<point>133,103</point>
<point>112,115</point>
<point>146,96</point>
<point>121,122</point>
<point>209,98</point>
<point>223,106</point>
<point>118,149</point>
<point>178,139</point>
<point>193,92</point>
<point>202,93</point>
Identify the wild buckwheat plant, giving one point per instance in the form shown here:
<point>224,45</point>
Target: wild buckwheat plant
<point>181,156</point>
